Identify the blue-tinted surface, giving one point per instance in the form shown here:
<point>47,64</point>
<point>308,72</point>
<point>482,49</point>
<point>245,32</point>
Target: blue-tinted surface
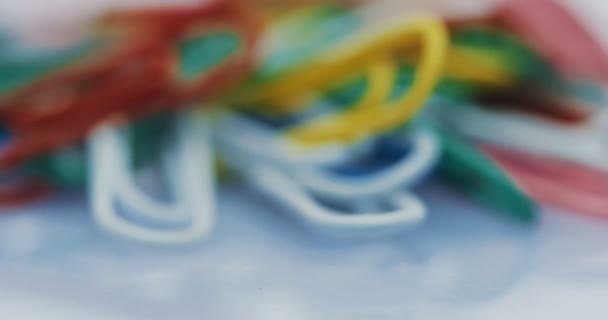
<point>465,263</point>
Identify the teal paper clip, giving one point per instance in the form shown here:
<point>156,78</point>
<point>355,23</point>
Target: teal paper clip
<point>473,173</point>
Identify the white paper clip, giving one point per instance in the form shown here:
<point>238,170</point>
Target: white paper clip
<point>586,145</point>
<point>191,178</point>
<point>301,184</point>
<point>409,170</point>
<point>263,143</point>
<point>405,211</point>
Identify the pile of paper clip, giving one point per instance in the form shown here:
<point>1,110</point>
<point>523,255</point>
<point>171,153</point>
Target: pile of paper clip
<point>333,117</point>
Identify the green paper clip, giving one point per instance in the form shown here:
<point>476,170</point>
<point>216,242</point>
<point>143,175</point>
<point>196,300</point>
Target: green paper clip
<point>473,173</point>
<point>16,72</point>
<point>68,167</point>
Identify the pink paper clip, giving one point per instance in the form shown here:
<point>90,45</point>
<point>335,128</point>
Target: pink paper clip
<point>555,182</point>
<point>557,34</point>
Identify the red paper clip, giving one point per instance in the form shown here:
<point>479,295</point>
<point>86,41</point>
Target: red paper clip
<point>23,192</point>
<point>139,79</point>
<point>555,182</point>
<point>537,103</point>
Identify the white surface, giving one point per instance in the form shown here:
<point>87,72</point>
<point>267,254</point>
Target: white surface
<point>465,263</point>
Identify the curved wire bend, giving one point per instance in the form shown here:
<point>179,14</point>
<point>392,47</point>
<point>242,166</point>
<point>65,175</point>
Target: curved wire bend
<point>408,210</point>
<point>193,214</point>
<point>376,113</point>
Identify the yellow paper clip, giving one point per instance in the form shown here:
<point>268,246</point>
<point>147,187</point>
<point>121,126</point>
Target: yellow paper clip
<point>374,113</point>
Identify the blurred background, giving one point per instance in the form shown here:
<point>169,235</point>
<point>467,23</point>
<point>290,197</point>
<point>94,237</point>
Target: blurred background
<point>506,220</point>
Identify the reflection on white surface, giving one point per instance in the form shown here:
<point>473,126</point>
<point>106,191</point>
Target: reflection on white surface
<point>21,307</point>
<point>261,264</point>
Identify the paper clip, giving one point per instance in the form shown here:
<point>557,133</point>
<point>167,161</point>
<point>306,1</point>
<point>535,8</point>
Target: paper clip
<point>556,182</point>
<point>178,61</point>
<point>472,172</point>
<point>585,144</point>
<point>16,190</point>
<point>17,187</point>
<point>410,165</point>
<point>262,142</point>
<point>303,185</point>
<point>405,211</point>
<point>374,114</point>
<point>68,167</point>
<point>533,20</point>
<point>192,180</point>
<point>483,47</point>
<point>352,56</point>
<point>385,114</point>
